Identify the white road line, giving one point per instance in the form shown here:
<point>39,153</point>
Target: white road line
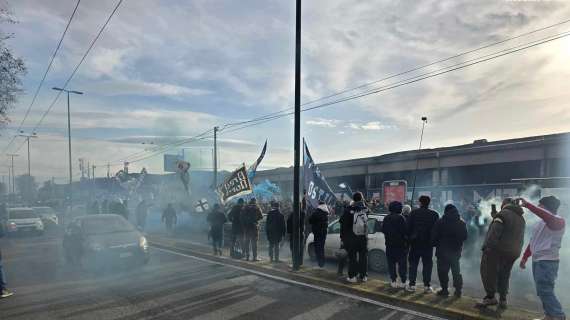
<point>324,311</point>
<point>237,309</point>
<point>389,315</point>
<point>407,317</point>
<point>307,285</point>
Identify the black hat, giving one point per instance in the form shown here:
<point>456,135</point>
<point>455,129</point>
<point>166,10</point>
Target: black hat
<point>450,208</point>
<point>274,204</point>
<point>551,203</point>
<point>395,207</point>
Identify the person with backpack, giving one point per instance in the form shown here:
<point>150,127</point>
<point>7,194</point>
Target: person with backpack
<point>354,236</point>
<point>250,217</point>
<point>275,229</point>
<point>216,218</point>
<point>395,232</point>
<point>448,236</point>
<point>237,229</point>
<point>319,222</point>
<point>420,225</point>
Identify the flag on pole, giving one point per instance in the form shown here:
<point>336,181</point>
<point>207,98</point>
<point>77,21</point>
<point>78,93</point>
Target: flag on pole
<point>315,183</point>
<point>236,184</point>
<point>253,168</point>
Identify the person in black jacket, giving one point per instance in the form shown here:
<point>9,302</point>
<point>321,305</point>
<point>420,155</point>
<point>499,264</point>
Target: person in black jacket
<point>4,292</point>
<point>319,221</point>
<point>237,230</point>
<point>448,236</point>
<point>420,225</point>
<point>395,232</point>
<point>216,218</point>
<point>275,229</point>
<point>250,217</point>
<point>355,244</point>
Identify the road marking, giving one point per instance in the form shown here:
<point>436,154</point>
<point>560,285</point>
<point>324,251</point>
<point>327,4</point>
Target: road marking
<point>324,311</point>
<point>307,285</point>
<point>389,315</point>
<point>237,309</point>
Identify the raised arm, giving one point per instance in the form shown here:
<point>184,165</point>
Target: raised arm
<point>553,222</point>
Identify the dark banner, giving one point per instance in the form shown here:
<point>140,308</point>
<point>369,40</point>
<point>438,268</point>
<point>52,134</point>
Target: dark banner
<point>254,166</point>
<point>236,184</point>
<point>315,183</point>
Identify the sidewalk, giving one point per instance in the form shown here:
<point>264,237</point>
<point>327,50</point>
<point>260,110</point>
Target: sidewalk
<point>375,289</point>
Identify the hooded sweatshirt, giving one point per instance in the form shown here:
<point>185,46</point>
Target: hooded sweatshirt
<point>319,220</point>
<point>346,221</point>
<point>275,226</point>
<point>449,233</point>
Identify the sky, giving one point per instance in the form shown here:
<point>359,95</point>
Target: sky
<point>164,71</point>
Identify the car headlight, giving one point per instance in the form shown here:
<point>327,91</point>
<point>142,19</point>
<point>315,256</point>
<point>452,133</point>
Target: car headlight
<point>143,243</point>
<point>13,226</point>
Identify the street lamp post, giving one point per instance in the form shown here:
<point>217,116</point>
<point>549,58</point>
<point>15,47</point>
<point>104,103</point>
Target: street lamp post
<point>29,182</point>
<point>69,140</point>
<point>424,121</point>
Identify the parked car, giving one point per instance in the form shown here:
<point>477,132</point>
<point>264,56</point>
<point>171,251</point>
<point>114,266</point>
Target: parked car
<point>376,244</point>
<point>47,214</point>
<point>99,241</point>
<point>23,220</point>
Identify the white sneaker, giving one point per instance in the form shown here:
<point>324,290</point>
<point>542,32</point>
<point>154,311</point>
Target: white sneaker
<point>429,289</point>
<point>410,288</point>
<point>351,280</point>
<point>394,285</point>
<point>365,279</point>
<point>402,284</point>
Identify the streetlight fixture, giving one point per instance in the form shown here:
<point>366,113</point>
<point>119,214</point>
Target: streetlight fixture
<point>69,139</point>
<point>424,121</point>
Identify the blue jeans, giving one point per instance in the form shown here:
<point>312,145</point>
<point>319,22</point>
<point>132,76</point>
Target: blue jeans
<point>544,274</point>
<point>2,281</point>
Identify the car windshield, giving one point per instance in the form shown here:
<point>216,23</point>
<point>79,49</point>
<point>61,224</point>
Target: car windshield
<point>22,214</point>
<point>100,225</point>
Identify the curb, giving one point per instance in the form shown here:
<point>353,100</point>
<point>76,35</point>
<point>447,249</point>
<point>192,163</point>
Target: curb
<point>450,308</point>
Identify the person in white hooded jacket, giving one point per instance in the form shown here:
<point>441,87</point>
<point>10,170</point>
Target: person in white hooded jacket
<point>319,222</point>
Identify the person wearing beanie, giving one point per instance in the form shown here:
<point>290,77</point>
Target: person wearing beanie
<point>354,236</point>
<point>275,229</point>
<point>502,247</point>
<point>448,236</point>
<point>396,236</point>
<point>319,221</point>
<point>237,229</point>
<point>420,225</point>
<point>250,217</point>
<point>544,247</point>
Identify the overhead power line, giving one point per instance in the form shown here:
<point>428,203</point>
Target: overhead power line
<point>45,75</point>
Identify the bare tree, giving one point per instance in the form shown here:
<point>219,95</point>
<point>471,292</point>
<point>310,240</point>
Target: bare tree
<point>11,71</point>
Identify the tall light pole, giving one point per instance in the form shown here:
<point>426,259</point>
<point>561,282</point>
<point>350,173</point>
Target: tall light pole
<point>29,182</point>
<point>215,157</point>
<point>297,143</point>
<point>69,141</point>
<point>12,155</point>
<point>424,121</point>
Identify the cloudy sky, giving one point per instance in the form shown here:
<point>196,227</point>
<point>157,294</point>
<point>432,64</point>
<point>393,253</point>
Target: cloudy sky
<point>168,70</point>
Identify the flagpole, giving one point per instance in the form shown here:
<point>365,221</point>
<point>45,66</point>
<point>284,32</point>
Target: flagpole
<point>297,137</point>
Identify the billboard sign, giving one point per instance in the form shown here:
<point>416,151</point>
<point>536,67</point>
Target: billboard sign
<point>394,191</point>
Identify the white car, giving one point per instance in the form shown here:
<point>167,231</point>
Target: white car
<point>47,214</point>
<point>376,243</point>
<point>24,220</point>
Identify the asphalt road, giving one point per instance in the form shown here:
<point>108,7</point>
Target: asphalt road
<point>171,286</point>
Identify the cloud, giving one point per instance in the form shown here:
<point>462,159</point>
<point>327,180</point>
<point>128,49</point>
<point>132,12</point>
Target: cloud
<point>144,88</point>
<point>370,126</point>
<point>324,123</point>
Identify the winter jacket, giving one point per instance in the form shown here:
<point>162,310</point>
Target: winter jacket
<point>301,223</point>
<point>250,216</point>
<point>275,226</point>
<point>506,232</point>
<point>347,235</point>
<point>420,225</point>
<point>395,230</point>
<point>216,219</point>
<point>319,220</point>
<point>169,215</point>
<point>235,217</point>
<point>449,234</point>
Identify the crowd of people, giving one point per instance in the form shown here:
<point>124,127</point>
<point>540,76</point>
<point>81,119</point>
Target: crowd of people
<point>411,236</point>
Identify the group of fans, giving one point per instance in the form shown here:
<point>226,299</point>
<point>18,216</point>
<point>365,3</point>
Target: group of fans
<point>411,236</point>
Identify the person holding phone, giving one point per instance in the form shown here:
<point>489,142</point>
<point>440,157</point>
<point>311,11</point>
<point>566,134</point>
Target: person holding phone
<point>544,247</point>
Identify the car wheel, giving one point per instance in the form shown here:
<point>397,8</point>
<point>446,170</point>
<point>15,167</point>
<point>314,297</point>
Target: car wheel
<point>377,261</point>
<point>311,251</point>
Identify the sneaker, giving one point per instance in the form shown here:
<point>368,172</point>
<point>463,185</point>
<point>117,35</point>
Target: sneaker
<point>503,303</point>
<point>457,293</point>
<point>364,279</point>
<point>402,285</point>
<point>488,301</point>
<point>394,285</point>
<point>5,293</point>
<point>429,289</point>
<point>443,293</point>
<point>411,288</point>
<point>351,280</point>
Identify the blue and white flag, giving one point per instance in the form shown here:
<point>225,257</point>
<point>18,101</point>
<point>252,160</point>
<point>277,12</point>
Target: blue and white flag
<point>317,187</point>
<point>253,168</point>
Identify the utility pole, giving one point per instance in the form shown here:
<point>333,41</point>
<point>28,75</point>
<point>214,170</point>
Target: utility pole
<point>69,142</point>
<point>12,155</point>
<point>93,175</point>
<point>215,157</point>
<point>108,170</point>
<point>424,121</point>
<point>29,181</point>
<point>297,145</point>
